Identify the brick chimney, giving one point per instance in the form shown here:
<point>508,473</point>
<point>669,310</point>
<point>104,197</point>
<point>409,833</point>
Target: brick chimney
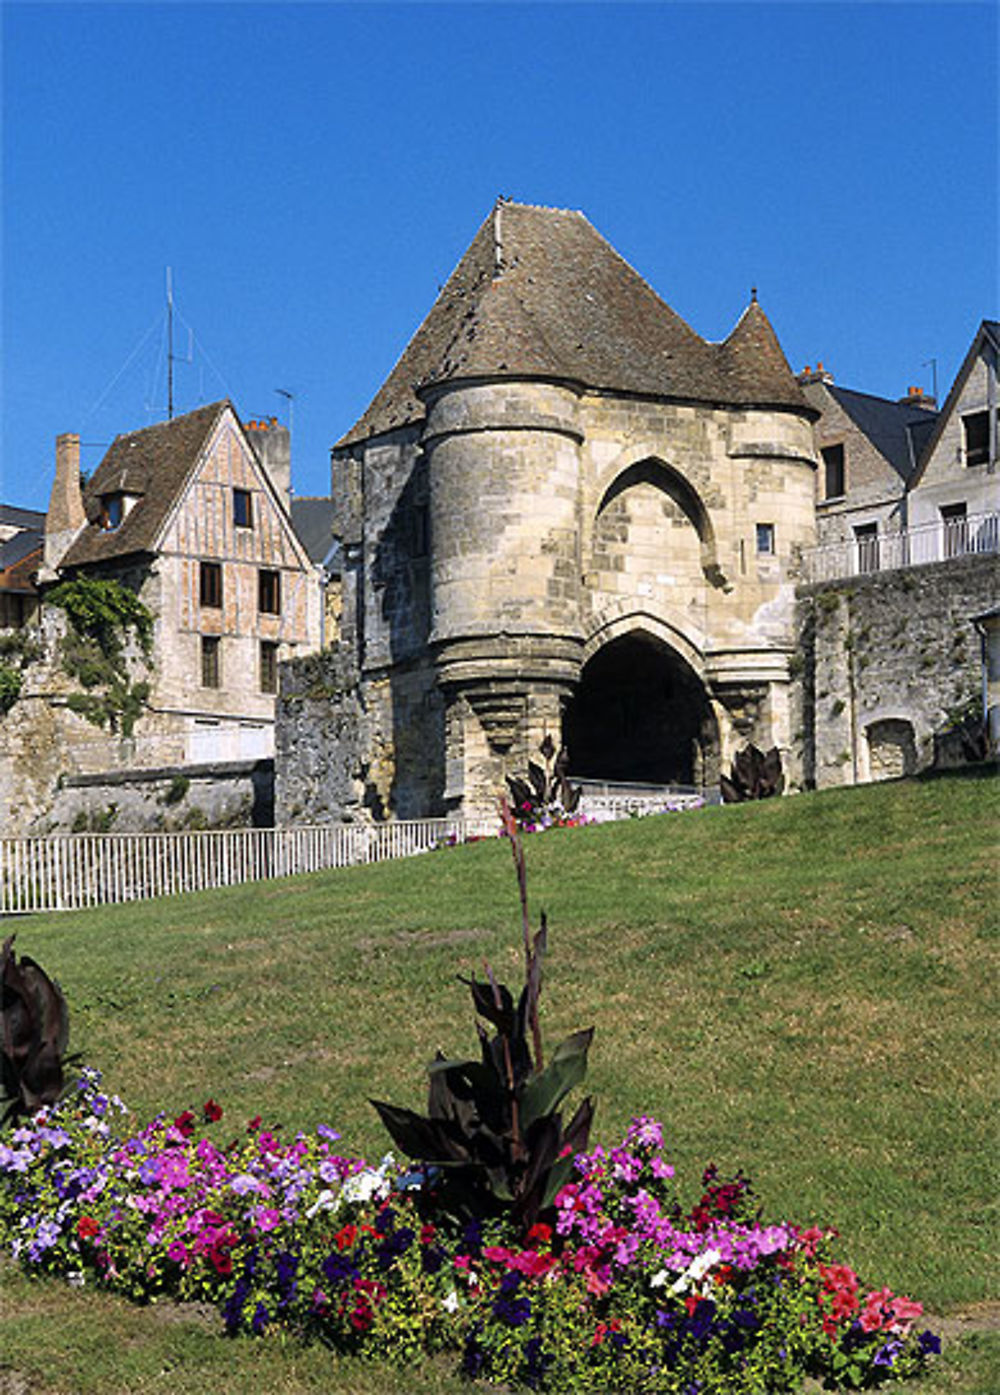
<point>814,375</point>
<point>66,516</point>
<point>916,397</point>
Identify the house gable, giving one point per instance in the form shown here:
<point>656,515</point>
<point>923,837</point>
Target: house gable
<point>204,519</point>
<point>950,456</point>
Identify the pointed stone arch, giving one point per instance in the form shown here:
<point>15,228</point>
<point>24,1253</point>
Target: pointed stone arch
<point>642,712</point>
<point>639,466</point>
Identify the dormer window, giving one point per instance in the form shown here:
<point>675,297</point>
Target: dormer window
<point>112,511</point>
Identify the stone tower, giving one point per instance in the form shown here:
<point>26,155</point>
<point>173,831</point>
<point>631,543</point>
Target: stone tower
<point>565,512</point>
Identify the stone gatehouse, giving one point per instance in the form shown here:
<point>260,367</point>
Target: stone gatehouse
<point>563,512</point>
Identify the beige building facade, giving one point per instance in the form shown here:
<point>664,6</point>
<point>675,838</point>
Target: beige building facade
<point>565,512</point>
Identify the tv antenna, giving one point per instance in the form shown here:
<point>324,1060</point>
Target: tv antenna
<point>290,399</point>
<point>171,356</point>
<point>932,365</point>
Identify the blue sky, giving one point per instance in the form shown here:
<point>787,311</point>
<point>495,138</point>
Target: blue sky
<point>312,173</point>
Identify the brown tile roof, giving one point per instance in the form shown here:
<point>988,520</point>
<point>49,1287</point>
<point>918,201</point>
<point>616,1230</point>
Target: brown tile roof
<point>19,574</point>
<point>540,293</point>
<point>154,464</point>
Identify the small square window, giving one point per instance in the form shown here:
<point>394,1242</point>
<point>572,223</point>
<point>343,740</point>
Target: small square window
<point>242,508</point>
<point>269,592</point>
<point>833,471</point>
<point>210,666</point>
<point>765,539</point>
<point>211,585</point>
<point>268,667</point>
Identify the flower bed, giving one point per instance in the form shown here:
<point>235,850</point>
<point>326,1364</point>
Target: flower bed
<point>621,1287</point>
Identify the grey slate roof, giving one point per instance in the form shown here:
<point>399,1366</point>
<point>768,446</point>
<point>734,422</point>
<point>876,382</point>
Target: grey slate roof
<point>897,430</point>
<point>21,545</point>
<point>540,293</point>
<point>154,464</point>
<point>13,517</point>
<point>312,519</point>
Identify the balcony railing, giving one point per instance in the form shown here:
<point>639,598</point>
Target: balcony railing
<point>911,547</point>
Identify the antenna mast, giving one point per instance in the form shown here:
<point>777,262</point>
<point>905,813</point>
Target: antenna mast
<point>170,346</point>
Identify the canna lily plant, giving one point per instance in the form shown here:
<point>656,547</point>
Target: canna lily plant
<point>754,775</point>
<point>34,1031</point>
<point>546,796</point>
<point>494,1133</point>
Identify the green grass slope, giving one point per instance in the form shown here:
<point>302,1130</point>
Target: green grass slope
<point>804,988</point>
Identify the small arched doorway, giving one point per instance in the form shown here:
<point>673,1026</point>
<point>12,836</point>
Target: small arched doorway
<point>641,715</point>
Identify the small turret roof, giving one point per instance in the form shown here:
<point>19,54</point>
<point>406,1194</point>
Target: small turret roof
<point>540,293</point>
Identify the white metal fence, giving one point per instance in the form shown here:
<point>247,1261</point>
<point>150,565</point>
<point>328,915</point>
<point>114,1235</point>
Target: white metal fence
<point>911,547</point>
<point>72,871</point>
<point>66,873</point>
<point>604,801</point>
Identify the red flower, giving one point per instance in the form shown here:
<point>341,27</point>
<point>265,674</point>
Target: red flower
<point>184,1123</point>
<point>724,1273</point>
<point>345,1238</point>
<point>427,1234</point>
<point>221,1260</point>
<point>361,1318</point>
<point>254,1124</point>
<point>87,1227</point>
<point>540,1233</point>
<point>212,1112</point>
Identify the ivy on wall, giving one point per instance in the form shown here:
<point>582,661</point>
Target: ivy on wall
<point>18,648</point>
<point>104,616</point>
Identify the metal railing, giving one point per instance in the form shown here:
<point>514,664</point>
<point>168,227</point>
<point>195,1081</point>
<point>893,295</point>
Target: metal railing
<point>606,800</point>
<point>910,547</point>
<point>69,872</point>
<point>73,871</point>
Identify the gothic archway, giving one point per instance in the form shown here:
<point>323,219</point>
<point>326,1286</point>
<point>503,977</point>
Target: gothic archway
<point>641,715</point>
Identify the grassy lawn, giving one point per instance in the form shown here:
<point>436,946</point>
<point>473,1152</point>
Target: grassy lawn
<point>804,988</point>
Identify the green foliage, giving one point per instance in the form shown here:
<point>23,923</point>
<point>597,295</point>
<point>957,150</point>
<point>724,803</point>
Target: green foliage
<point>103,616</point>
<point>95,820</point>
<point>10,687</point>
<point>105,611</point>
<point>18,649</point>
<point>22,643</point>
<point>178,788</point>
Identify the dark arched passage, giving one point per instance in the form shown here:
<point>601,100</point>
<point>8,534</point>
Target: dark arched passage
<point>641,715</point>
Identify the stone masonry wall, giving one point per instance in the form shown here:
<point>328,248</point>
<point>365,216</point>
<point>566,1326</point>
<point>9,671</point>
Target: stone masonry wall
<point>239,794</point>
<point>340,741</point>
<point>886,662</point>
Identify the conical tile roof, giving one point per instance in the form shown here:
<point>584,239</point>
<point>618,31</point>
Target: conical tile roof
<point>540,293</point>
